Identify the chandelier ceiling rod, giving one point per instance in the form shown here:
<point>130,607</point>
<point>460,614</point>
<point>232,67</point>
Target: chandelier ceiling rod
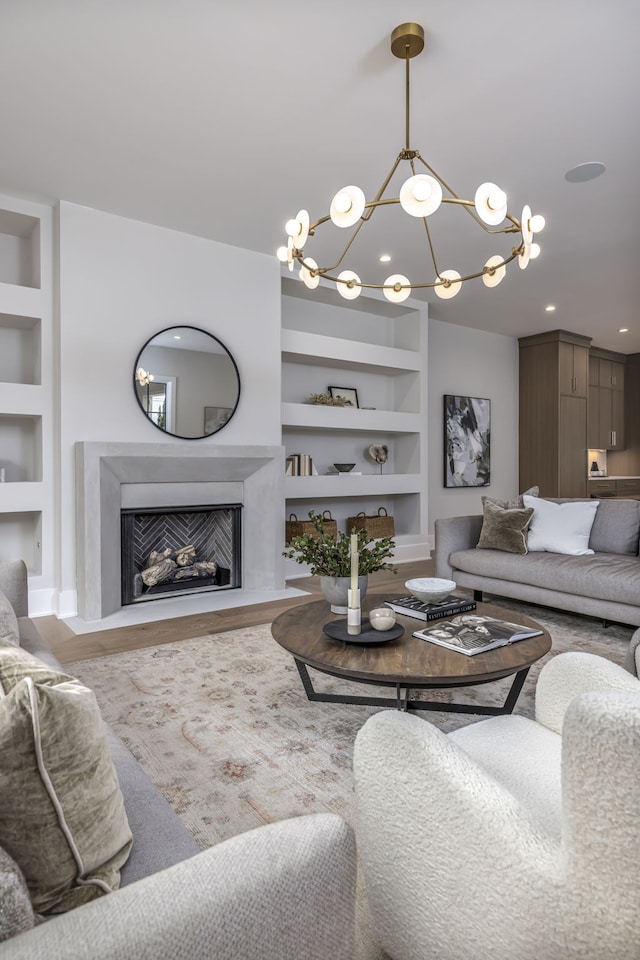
<point>421,196</point>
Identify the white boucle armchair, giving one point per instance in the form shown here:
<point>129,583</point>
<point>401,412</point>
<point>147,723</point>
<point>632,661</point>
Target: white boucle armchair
<point>510,837</point>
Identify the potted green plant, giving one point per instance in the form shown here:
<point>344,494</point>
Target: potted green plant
<point>329,558</point>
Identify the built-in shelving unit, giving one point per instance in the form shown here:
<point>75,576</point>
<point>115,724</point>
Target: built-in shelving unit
<point>26,391</point>
<point>380,349</point>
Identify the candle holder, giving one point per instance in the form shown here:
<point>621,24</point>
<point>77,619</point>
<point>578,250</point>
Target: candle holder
<point>354,613</point>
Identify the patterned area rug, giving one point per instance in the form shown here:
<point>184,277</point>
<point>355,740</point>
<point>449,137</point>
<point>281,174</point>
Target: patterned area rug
<point>222,726</point>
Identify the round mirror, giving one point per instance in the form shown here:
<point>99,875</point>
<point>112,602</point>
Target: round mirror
<point>186,382</point>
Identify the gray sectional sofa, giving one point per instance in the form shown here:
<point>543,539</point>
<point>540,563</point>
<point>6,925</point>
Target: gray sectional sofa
<point>284,890</point>
<point>605,584</point>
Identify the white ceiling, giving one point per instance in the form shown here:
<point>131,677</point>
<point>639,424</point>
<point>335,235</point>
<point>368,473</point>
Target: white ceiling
<point>222,118</point>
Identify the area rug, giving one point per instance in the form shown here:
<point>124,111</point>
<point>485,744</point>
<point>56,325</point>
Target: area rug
<point>222,726</point>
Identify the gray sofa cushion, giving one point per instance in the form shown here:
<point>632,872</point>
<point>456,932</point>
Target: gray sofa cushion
<point>612,577</point>
<point>616,528</point>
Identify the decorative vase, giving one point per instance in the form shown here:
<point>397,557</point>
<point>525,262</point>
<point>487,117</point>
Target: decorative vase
<point>335,590</point>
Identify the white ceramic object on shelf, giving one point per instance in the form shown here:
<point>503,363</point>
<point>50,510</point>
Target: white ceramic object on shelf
<point>382,618</point>
<point>430,589</point>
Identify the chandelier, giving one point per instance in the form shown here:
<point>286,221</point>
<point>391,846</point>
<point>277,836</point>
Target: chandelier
<point>422,196</point>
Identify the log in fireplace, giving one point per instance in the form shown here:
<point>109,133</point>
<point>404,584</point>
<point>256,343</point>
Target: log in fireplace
<point>169,551</point>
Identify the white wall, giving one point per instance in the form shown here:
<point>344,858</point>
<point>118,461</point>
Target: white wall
<point>121,281</point>
<point>472,363</point>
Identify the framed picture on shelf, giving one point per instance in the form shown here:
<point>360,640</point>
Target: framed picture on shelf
<point>467,441</point>
<point>350,394</point>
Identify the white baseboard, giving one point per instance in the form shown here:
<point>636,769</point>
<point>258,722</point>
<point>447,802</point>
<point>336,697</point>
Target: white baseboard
<point>51,602</point>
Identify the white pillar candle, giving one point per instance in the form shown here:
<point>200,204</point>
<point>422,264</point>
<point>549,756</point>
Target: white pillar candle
<point>354,562</point>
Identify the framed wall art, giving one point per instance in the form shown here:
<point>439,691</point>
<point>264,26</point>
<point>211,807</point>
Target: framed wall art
<point>467,441</point>
<point>348,394</point>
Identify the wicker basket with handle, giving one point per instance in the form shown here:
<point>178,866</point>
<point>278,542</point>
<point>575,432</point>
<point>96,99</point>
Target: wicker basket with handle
<point>300,528</point>
<point>379,525</point>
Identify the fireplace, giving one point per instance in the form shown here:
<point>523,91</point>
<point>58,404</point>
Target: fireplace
<point>170,551</point>
<point>114,476</point>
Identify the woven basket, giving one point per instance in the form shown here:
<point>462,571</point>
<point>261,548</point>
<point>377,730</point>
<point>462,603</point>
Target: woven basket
<point>379,525</point>
<point>300,528</point>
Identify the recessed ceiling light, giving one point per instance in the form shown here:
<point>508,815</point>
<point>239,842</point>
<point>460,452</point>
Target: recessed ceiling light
<point>623,330</point>
<point>550,308</point>
<point>385,258</point>
<point>177,336</point>
<point>585,171</point>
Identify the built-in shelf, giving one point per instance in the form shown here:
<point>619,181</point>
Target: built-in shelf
<point>19,349</point>
<point>378,349</point>
<point>26,393</point>
<point>19,249</point>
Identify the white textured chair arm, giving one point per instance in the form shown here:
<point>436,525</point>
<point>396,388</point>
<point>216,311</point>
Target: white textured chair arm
<point>567,676</point>
<point>285,891</point>
<point>454,533</point>
<point>419,796</point>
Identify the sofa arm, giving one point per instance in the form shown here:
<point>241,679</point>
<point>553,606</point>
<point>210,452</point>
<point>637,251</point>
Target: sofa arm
<point>14,585</point>
<point>285,890</point>
<point>570,674</point>
<point>632,660</point>
<point>454,533</point>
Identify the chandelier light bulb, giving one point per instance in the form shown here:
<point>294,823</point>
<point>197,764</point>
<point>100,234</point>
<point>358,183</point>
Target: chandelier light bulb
<point>451,284</point>
<point>490,203</point>
<point>534,252</point>
<point>524,256</point>
<point>291,228</point>
<point>347,206</point>
<point>537,223</point>
<point>282,253</point>
<point>308,275</point>
<point>494,271</point>
<point>396,288</point>
<point>420,196</point>
<point>348,285</point>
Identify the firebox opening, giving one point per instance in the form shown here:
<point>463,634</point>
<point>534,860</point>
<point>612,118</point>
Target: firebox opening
<point>168,551</point>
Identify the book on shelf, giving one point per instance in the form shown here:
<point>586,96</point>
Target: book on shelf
<point>412,607</point>
<point>471,634</point>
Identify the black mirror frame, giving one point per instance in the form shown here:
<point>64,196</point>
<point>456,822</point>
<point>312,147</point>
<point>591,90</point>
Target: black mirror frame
<point>186,326</point>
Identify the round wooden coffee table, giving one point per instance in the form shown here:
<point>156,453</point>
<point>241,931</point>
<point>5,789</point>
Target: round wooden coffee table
<point>406,663</point>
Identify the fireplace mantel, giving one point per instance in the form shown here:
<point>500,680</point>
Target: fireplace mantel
<point>103,469</point>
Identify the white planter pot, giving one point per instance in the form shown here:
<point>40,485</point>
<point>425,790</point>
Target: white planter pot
<point>335,590</point>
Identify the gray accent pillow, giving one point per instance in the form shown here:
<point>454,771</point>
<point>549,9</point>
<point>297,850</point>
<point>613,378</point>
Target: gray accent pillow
<point>62,815</point>
<point>504,529</point>
<point>9,629</point>
<point>16,912</point>
<point>516,502</point>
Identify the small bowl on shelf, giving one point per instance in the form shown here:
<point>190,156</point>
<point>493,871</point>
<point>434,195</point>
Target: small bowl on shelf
<point>430,589</point>
<point>344,467</point>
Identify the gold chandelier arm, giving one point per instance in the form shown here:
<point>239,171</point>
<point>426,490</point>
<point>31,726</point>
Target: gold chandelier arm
<point>370,207</point>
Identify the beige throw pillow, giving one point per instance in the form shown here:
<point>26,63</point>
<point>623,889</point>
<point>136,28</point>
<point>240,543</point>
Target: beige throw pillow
<point>62,816</point>
<point>9,629</point>
<point>504,529</point>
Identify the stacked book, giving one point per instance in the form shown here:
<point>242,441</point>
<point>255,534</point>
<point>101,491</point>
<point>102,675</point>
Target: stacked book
<point>449,607</point>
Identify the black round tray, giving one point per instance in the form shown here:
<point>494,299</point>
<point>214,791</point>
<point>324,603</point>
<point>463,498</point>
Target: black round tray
<point>337,630</point>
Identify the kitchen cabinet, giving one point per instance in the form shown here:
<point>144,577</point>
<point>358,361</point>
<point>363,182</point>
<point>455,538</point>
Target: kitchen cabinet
<point>606,400</point>
<point>553,395</point>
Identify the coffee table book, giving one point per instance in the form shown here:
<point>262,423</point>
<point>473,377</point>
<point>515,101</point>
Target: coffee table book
<point>411,607</point>
<point>475,634</point>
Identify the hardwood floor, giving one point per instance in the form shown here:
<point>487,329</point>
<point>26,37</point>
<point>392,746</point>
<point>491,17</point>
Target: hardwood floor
<point>69,647</point>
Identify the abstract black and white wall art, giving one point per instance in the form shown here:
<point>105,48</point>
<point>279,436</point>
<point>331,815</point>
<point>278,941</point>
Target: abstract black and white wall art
<point>467,442</point>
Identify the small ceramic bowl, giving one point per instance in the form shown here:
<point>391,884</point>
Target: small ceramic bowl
<point>344,467</point>
<point>430,589</point>
<point>382,618</point>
